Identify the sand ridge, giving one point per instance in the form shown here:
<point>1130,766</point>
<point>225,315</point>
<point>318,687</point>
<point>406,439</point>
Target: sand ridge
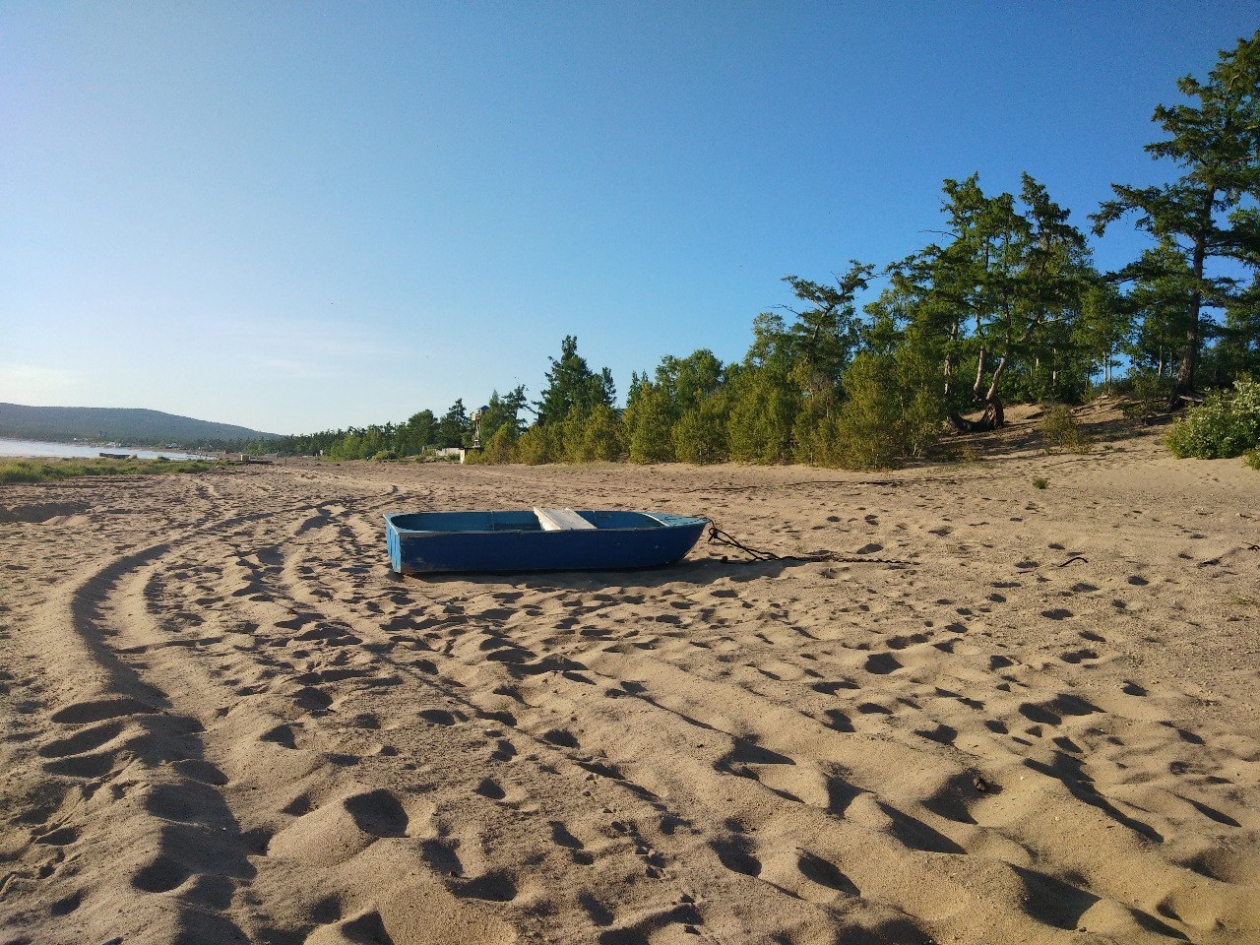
<point>225,720</point>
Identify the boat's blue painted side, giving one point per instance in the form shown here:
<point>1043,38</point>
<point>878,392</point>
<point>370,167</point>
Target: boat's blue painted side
<point>425,542</point>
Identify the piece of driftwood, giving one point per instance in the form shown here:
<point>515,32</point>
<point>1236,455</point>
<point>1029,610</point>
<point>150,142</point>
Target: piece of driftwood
<point>992,419</point>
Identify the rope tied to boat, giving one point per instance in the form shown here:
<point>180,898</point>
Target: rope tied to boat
<point>719,537</point>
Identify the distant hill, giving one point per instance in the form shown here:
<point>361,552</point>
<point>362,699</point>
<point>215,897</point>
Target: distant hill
<point>123,425</point>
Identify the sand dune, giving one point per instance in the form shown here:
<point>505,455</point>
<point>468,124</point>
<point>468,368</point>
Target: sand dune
<point>225,720</point>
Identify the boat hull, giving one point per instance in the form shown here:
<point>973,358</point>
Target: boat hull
<point>513,541</point>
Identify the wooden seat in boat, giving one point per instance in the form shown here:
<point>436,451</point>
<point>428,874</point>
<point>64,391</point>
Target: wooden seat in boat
<point>561,520</point>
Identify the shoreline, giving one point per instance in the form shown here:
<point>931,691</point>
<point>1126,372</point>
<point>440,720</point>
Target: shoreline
<point>226,718</point>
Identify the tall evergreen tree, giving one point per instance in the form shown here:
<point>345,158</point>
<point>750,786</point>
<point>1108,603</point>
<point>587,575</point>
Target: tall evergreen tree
<point>453,425</point>
<point>1209,211</point>
<point>419,431</point>
<point>825,333</point>
<point>571,383</point>
<point>502,412</point>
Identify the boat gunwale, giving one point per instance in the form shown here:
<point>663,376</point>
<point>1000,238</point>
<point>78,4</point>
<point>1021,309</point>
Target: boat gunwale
<point>684,521</point>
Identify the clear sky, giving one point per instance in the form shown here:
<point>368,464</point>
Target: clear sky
<point>299,216</point>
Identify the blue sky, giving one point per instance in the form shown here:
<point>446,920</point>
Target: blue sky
<point>303,216</point>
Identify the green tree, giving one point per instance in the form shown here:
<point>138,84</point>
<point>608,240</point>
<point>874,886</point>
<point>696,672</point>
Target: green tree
<point>887,415</point>
<point>419,431</point>
<point>571,383</point>
<point>1104,329</point>
<point>502,412</point>
<point>346,447</point>
<point>596,437</point>
<point>699,436</point>
<point>453,425</point>
<point>1159,293</point>
<point>648,421</point>
<point>764,406</point>
<point>687,381</point>
<point>825,333</point>
<point>500,447</point>
<point>1208,213</point>
<point>1237,353</point>
<point>1002,289</point>
<point>532,447</point>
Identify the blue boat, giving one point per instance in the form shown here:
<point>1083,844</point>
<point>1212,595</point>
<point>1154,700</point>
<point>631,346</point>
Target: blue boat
<point>537,540</point>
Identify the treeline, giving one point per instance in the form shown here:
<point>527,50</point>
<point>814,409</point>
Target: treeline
<point>423,431</point>
<point>1007,305</point>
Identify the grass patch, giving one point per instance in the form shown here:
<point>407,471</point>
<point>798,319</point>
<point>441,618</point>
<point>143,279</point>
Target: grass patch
<point>52,470</point>
<point>1040,483</point>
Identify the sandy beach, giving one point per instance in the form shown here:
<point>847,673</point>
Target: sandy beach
<point>1025,715</point>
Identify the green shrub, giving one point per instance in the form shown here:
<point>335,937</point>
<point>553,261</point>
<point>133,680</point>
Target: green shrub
<point>882,422</point>
<point>1150,394</point>
<point>1253,459</point>
<point>648,421</point>
<point>700,435</point>
<point>531,447</point>
<point>500,448</point>
<point>600,439</point>
<point>1226,424</point>
<point>1062,431</point>
<point>1040,483</point>
<point>763,411</point>
<point>22,472</point>
<point>28,470</point>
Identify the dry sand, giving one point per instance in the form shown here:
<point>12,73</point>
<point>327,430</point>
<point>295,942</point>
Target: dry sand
<point>225,720</point>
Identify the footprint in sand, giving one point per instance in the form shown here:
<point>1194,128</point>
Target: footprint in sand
<point>831,688</point>
<point>1079,656</point>
<point>378,813</point>
<point>915,834</point>
<point>81,742</point>
<point>161,875</point>
<point>62,836</point>
<point>281,735</point>
<point>312,700</point>
<point>824,873</point>
<point>186,802</point>
<point>498,886</point>
<point>98,710</point>
<point>598,913</point>
<point>439,716</point>
<point>838,721</point>
<point>66,905</point>
<point>561,737</point>
<point>490,788</point>
<point>300,806</point>
<point>881,664</point>
<point>561,836</point>
<point>83,766</point>
<point>943,734</point>
<point>735,853</point>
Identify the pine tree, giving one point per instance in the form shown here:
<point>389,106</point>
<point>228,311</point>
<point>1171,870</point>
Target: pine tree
<point>1208,213</point>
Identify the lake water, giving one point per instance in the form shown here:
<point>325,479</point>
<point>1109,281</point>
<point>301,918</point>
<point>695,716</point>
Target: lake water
<point>34,449</point>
